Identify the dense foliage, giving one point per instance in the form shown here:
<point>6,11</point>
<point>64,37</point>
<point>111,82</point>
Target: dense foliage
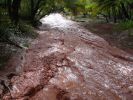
<point>16,11</point>
<point>111,10</point>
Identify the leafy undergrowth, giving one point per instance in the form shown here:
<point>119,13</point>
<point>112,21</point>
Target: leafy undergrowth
<point>13,39</point>
<point>126,25</point>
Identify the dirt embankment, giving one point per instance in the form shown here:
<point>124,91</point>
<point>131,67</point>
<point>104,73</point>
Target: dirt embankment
<point>112,34</point>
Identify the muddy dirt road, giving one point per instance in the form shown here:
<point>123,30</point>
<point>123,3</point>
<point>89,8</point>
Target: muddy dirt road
<point>67,62</point>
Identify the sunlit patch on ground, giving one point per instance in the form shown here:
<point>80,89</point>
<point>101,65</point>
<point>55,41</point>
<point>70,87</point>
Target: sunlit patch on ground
<point>56,20</point>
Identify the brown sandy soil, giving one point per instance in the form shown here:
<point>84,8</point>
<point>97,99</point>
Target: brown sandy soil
<point>69,63</point>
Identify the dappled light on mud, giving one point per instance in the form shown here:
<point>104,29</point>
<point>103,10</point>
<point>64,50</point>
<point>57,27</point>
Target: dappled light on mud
<point>66,62</point>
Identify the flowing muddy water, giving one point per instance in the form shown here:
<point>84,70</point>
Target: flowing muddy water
<point>67,62</point>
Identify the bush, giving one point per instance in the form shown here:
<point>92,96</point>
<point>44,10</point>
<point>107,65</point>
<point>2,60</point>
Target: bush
<point>18,36</point>
<point>127,25</point>
<point>27,30</point>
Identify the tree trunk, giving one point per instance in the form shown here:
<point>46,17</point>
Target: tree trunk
<point>34,9</point>
<point>15,10</point>
<point>114,15</point>
<point>9,4</point>
<point>125,12</point>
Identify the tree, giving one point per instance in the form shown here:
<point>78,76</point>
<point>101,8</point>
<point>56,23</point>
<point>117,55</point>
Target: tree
<point>13,10</point>
<point>116,9</point>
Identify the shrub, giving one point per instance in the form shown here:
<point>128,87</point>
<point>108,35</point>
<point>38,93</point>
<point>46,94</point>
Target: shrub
<point>27,30</point>
<point>126,26</point>
<point>18,36</point>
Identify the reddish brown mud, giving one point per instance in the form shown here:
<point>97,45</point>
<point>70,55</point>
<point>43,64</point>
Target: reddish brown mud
<point>71,64</point>
<point>112,34</point>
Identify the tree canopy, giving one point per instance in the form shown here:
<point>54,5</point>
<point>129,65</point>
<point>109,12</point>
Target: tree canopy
<point>111,10</point>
